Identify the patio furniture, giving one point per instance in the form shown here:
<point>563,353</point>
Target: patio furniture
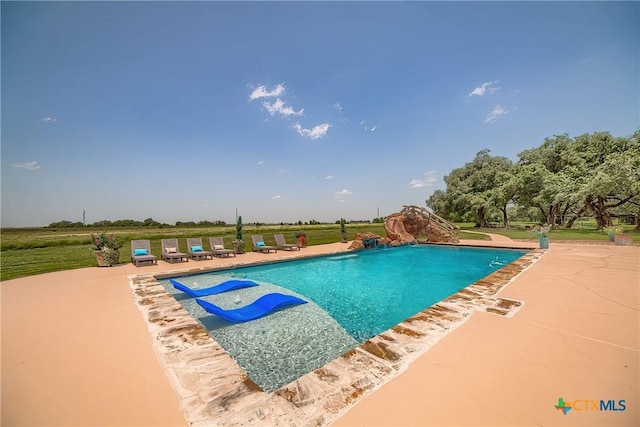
<point>226,286</point>
<point>263,306</point>
<point>141,253</point>
<point>171,251</point>
<point>196,251</point>
<point>218,249</point>
<point>281,243</point>
<point>260,246</point>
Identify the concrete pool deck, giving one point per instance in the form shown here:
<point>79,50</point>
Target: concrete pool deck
<point>575,337</point>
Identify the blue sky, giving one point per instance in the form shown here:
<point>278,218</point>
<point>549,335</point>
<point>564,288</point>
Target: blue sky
<point>287,111</point>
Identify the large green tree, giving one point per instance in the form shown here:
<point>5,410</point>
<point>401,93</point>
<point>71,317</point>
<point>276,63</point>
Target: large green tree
<point>477,187</point>
<point>562,179</point>
<point>612,177</point>
<point>438,204</point>
<point>548,178</point>
<point>505,190</point>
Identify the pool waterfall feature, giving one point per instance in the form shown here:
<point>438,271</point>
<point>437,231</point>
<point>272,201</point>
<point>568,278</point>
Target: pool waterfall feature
<point>411,225</point>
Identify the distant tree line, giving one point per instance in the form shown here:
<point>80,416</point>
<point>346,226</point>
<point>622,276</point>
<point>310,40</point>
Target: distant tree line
<point>563,179</point>
<point>149,222</point>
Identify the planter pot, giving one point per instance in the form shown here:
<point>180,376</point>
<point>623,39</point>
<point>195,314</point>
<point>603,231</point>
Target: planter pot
<point>100,259</point>
<point>612,237</point>
<point>623,240</point>
<point>107,258</point>
<point>544,242</point>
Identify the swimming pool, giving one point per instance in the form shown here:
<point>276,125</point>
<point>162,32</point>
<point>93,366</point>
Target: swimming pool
<point>351,298</point>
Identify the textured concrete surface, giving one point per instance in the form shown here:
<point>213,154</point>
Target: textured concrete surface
<point>575,337</point>
<point>77,351</point>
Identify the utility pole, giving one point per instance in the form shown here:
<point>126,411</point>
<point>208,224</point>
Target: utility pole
<point>84,218</point>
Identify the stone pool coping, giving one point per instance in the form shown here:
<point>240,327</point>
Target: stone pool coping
<point>214,390</point>
<point>575,335</point>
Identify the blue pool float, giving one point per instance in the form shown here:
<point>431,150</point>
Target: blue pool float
<point>229,285</point>
<point>264,305</point>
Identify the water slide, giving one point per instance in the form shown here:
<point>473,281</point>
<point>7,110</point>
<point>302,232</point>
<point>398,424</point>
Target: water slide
<point>395,230</point>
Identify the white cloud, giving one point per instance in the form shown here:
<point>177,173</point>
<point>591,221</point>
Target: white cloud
<point>427,181</point>
<point>366,126</point>
<point>278,107</point>
<point>342,195</point>
<point>486,87</point>
<point>49,120</point>
<point>262,92</point>
<point>279,196</point>
<point>260,162</point>
<point>28,165</point>
<point>314,133</point>
<point>328,177</point>
<point>282,171</point>
<point>497,111</point>
<point>338,107</point>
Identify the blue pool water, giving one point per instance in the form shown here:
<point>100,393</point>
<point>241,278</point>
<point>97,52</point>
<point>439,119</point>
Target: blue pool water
<point>352,297</point>
<point>370,291</point>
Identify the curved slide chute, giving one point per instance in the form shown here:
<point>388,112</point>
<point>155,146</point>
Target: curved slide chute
<point>396,230</point>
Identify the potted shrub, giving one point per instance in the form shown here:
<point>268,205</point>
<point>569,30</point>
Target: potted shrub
<point>106,248</point>
<point>343,230</point>
<point>238,244</point>
<point>612,232</point>
<point>616,235</point>
<point>543,235</point>
<point>301,237</point>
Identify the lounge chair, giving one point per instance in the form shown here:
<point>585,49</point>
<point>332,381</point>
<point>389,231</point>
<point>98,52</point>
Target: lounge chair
<point>171,251</point>
<point>226,286</point>
<point>264,305</point>
<point>260,246</point>
<point>195,249</point>
<point>141,253</point>
<point>281,243</point>
<point>218,249</point>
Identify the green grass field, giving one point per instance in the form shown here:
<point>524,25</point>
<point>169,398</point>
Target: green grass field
<point>25,252</point>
